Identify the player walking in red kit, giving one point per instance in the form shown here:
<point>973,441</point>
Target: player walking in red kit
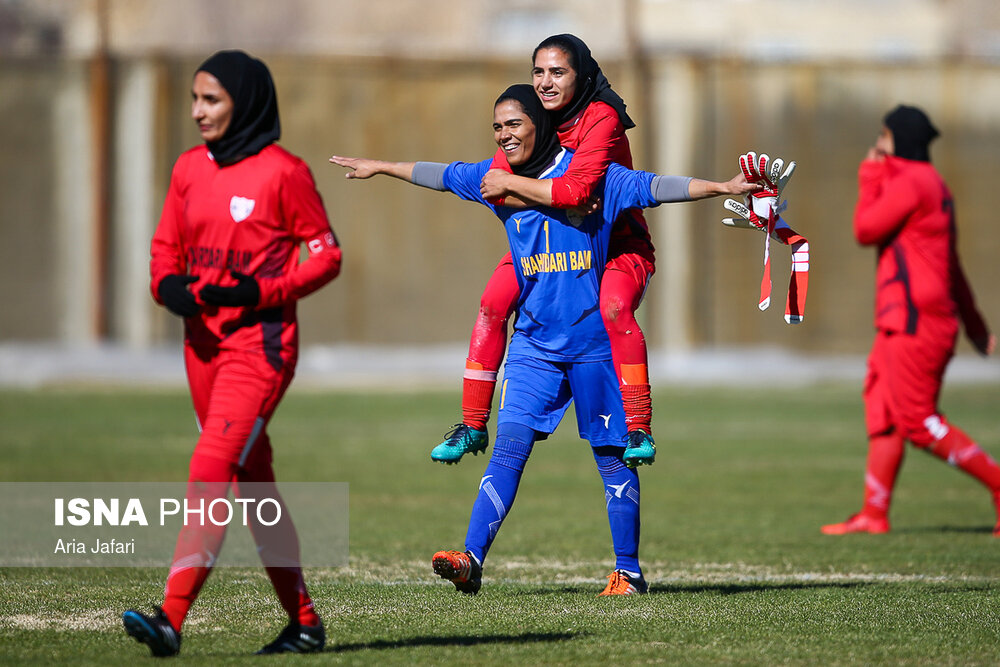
<point>590,119</point>
<point>905,209</point>
<point>225,257</point>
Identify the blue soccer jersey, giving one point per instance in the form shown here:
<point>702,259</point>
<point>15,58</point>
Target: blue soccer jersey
<point>559,260</point>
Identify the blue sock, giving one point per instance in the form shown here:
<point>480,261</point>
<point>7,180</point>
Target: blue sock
<point>498,487</point>
<point>621,494</point>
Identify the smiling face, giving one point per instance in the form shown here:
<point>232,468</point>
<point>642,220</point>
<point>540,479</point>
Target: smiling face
<point>553,78</point>
<point>211,106</point>
<point>514,132</point>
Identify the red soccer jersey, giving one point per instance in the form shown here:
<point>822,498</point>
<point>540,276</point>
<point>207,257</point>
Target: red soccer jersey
<point>249,217</point>
<point>597,138</point>
<point>905,208</point>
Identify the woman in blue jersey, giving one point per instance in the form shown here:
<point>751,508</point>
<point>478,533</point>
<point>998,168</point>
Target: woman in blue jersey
<point>559,351</point>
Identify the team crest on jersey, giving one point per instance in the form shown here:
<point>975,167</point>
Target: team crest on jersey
<point>240,208</point>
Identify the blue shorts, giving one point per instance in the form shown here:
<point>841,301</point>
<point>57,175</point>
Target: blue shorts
<point>536,393</point>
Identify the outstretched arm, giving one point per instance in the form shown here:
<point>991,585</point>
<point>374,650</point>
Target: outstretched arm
<point>358,167</point>
<point>459,178</point>
<point>425,174</point>
<point>666,189</point>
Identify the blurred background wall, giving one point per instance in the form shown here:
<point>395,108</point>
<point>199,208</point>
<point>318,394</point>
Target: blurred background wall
<point>94,109</point>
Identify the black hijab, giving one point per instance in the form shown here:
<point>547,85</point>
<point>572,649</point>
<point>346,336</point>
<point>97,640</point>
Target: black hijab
<point>546,140</point>
<point>254,124</point>
<point>591,84</point>
<point>912,133</point>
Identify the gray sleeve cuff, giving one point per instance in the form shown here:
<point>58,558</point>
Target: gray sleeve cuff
<point>429,175</point>
<point>666,188</point>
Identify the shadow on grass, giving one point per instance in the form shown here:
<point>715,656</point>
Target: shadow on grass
<point>456,640</point>
<point>750,587</point>
<point>984,530</point>
<point>722,588</point>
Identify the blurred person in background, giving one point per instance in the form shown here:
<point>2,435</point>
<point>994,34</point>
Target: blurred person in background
<point>905,210</point>
<point>590,119</point>
<point>225,258</point>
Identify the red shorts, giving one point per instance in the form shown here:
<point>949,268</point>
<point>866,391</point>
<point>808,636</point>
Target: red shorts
<point>904,380</point>
<point>633,258</point>
<point>234,394</point>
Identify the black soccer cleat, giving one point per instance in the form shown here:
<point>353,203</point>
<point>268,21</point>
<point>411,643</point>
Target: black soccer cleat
<point>154,631</point>
<point>297,638</point>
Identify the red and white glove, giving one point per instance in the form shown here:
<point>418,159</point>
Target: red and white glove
<point>756,207</point>
<point>761,210</point>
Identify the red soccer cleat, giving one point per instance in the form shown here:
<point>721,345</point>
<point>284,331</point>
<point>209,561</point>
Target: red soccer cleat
<point>460,568</point>
<point>858,523</point>
<point>621,583</point>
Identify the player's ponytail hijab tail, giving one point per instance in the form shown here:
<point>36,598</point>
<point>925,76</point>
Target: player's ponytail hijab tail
<point>912,133</point>
<point>546,140</point>
<point>591,83</point>
<point>255,124</point>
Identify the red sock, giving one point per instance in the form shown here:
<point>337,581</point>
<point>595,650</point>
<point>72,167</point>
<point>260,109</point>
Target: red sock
<point>636,398</point>
<point>488,344</point>
<point>478,386</point>
<point>197,545</point>
<point>278,543</point>
<point>620,296</point>
<point>291,589</point>
<point>960,450</point>
<point>885,455</point>
<point>183,586</point>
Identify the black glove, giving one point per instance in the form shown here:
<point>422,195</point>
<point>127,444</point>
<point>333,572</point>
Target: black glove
<point>177,297</point>
<point>245,293</point>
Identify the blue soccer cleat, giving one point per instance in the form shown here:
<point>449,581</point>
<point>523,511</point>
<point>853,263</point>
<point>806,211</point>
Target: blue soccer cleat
<point>639,449</point>
<point>458,442</point>
<point>154,631</point>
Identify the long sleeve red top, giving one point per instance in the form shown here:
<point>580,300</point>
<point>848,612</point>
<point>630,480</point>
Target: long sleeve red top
<point>249,217</point>
<point>905,209</point>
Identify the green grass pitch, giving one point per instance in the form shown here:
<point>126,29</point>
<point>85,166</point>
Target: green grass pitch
<point>738,571</point>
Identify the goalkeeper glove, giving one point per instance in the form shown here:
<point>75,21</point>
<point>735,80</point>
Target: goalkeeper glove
<point>756,208</point>
<point>176,296</point>
<point>246,292</point>
<point>760,210</point>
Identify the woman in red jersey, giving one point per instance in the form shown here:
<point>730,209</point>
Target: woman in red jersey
<point>590,119</point>
<point>225,258</point>
<point>905,209</point>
